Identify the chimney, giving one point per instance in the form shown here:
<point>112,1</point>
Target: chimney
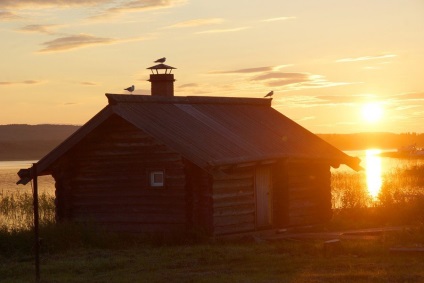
<point>162,84</point>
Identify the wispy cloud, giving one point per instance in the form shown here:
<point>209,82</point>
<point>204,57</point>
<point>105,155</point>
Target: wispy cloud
<point>278,19</point>
<point>140,5</point>
<point>89,83</point>
<point>188,85</point>
<point>222,30</point>
<point>8,16</point>
<point>307,118</point>
<point>410,96</point>
<point>70,103</point>
<point>5,4</point>
<point>253,70</point>
<point>247,70</point>
<point>26,82</point>
<point>47,29</point>
<point>71,42</point>
<point>103,8</point>
<point>283,78</point>
<point>75,41</point>
<point>365,58</point>
<point>197,22</point>
<point>295,81</point>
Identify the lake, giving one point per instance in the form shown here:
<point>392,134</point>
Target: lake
<point>9,177</point>
<point>375,169</point>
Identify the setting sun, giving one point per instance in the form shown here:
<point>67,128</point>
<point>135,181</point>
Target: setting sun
<point>372,112</point>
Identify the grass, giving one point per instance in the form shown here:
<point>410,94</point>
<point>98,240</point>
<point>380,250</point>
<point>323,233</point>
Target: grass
<point>282,261</point>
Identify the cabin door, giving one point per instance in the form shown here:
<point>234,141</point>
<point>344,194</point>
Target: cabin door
<point>263,187</point>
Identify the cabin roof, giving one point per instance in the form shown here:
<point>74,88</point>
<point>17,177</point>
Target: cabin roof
<point>212,131</point>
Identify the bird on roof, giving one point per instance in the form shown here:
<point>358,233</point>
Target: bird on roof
<point>269,94</point>
<point>130,89</point>
<point>161,60</point>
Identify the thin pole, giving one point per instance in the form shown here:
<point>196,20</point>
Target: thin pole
<point>36,231</point>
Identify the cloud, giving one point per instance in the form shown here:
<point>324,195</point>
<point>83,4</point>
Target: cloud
<point>8,16</point>
<point>81,40</point>
<point>140,5</point>
<point>307,118</point>
<point>295,81</point>
<point>75,41</point>
<point>26,82</point>
<point>365,58</point>
<point>188,85</point>
<point>278,19</point>
<point>222,30</point>
<point>24,4</point>
<point>247,70</point>
<point>197,22</point>
<point>89,83</point>
<point>283,78</point>
<point>104,8</point>
<point>39,28</point>
<point>410,96</point>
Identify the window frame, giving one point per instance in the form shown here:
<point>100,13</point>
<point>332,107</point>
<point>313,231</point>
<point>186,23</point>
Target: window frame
<point>152,175</point>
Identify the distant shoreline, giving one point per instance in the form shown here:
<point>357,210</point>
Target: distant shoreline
<point>21,142</point>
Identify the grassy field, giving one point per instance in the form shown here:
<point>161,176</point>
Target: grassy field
<point>237,261</point>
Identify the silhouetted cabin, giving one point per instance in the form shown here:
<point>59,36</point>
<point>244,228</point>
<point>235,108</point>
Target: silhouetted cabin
<point>167,164</point>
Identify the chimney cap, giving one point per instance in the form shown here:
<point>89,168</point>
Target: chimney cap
<point>161,67</point>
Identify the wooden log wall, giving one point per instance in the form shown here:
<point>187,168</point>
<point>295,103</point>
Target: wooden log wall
<point>199,198</point>
<point>309,193</point>
<point>233,201</point>
<point>105,179</point>
<point>280,201</point>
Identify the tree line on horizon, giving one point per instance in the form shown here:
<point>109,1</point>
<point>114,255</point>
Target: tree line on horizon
<point>31,142</point>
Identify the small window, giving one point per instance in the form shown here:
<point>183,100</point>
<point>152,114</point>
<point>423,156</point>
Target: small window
<point>156,179</point>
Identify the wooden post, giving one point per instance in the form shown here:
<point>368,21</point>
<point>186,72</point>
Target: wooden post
<point>36,215</point>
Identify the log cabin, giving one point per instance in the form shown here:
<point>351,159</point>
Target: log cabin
<point>161,163</point>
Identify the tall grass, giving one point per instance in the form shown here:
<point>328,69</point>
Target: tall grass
<point>399,202</point>
<point>17,210</point>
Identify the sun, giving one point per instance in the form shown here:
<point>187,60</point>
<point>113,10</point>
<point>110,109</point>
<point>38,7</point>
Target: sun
<point>372,112</point>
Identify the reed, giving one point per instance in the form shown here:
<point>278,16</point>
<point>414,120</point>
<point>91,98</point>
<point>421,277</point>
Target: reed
<point>16,210</point>
<point>399,202</point>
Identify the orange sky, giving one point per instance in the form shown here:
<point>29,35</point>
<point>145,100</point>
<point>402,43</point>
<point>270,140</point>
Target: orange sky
<point>324,59</point>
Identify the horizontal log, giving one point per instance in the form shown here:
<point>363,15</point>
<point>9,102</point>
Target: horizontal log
<point>247,183</point>
<point>128,202</point>
<point>222,200</point>
<point>234,219</point>
<point>84,192</point>
<point>146,209</point>
<point>244,175</point>
<point>131,218</point>
<point>231,229</point>
<point>231,193</point>
<point>148,228</point>
<point>234,210</point>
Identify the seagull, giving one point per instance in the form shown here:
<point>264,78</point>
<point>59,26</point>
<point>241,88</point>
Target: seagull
<point>130,89</point>
<point>269,94</point>
<point>161,60</point>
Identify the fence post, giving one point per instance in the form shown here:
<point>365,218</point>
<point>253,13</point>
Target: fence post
<point>36,220</point>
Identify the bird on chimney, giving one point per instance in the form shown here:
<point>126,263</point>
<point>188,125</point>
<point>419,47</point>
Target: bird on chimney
<point>161,60</point>
<point>269,94</point>
<point>130,89</point>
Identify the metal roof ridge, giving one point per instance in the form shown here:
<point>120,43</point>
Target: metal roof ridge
<point>126,98</point>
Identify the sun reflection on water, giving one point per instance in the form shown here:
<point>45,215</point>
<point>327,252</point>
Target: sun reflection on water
<point>373,171</point>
